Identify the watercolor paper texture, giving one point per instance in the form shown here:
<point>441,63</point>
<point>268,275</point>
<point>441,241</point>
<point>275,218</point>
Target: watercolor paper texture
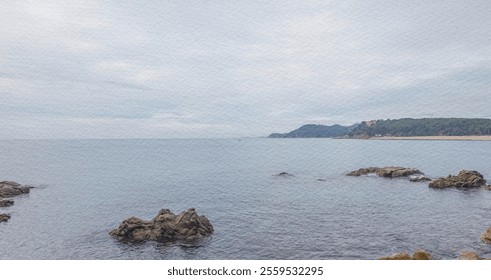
<point>114,109</point>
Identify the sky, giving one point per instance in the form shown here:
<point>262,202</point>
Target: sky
<point>204,69</point>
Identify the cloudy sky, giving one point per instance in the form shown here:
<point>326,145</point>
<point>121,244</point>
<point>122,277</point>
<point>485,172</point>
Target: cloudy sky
<point>166,69</point>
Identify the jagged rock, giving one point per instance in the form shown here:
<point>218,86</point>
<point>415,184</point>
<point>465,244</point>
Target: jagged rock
<point>284,174</point>
<point>388,172</point>
<point>397,256</point>
<point>6,203</point>
<point>9,189</point>
<point>420,179</point>
<point>486,237</point>
<point>466,255</point>
<point>421,255</point>
<point>418,255</point>
<point>465,179</point>
<point>165,227</point>
<point>4,217</point>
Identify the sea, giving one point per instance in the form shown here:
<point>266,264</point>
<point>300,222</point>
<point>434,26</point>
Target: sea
<point>86,188</point>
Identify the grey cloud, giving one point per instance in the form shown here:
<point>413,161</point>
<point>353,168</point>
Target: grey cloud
<point>236,68</point>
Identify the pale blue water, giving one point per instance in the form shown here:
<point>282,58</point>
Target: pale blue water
<point>87,187</point>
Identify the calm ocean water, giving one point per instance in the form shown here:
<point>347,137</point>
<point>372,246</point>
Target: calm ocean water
<point>85,188</point>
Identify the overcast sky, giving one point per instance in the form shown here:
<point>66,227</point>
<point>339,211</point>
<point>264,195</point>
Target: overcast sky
<point>166,69</point>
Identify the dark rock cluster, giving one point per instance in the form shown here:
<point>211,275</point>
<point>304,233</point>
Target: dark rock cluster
<point>387,172</point>
<point>486,237</point>
<point>10,189</point>
<point>465,179</point>
<point>165,227</point>
<point>418,255</point>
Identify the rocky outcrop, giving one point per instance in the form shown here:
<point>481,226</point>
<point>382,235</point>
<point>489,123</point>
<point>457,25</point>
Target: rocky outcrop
<point>6,203</point>
<point>4,217</point>
<point>9,189</point>
<point>418,255</point>
<point>486,237</point>
<point>488,187</point>
<point>465,179</point>
<point>388,172</point>
<point>165,227</point>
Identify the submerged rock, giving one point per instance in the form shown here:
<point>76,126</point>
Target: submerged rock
<point>397,256</point>
<point>486,237</point>
<point>284,174</point>
<point>9,189</point>
<point>165,227</point>
<point>4,217</point>
<point>419,179</point>
<point>418,255</point>
<point>421,255</point>
<point>6,203</point>
<point>467,255</point>
<point>465,179</point>
<point>388,172</point>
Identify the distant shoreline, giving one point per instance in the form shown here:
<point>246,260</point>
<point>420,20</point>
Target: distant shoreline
<point>449,138</point>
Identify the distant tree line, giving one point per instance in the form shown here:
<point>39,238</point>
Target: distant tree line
<point>423,127</point>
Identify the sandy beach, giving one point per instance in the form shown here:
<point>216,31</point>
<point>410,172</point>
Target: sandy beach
<point>440,138</point>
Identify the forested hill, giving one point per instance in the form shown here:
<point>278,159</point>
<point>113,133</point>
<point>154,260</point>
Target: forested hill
<point>314,131</point>
<point>399,127</point>
<point>423,127</point>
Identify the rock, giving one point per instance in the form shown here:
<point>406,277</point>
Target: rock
<point>419,179</point>
<point>397,256</point>
<point>418,255</point>
<point>465,179</point>
<point>388,172</point>
<point>9,189</point>
<point>165,227</point>
<point>363,171</point>
<point>421,255</point>
<point>486,237</point>
<point>10,183</point>
<point>284,174</point>
<point>466,255</point>
<point>6,203</point>
<point>394,172</point>
<point>4,217</point>
<point>488,187</point>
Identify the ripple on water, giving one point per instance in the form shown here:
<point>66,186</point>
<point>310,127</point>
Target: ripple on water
<point>87,187</point>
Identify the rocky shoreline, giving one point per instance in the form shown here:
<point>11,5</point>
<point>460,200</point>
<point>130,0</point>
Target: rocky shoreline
<point>466,179</point>
<point>10,189</point>
<point>423,255</point>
